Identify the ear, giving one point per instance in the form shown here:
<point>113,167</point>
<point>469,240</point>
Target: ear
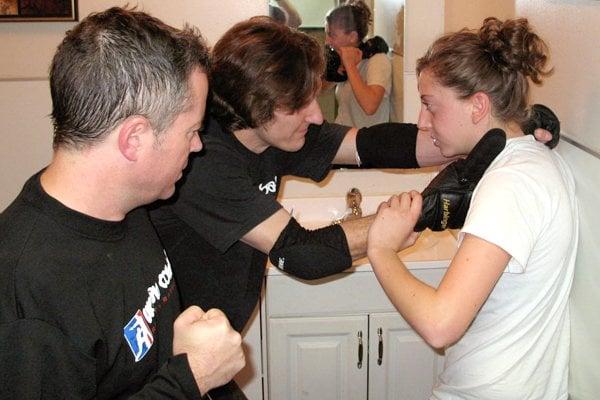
<point>481,107</point>
<point>354,37</point>
<point>132,134</point>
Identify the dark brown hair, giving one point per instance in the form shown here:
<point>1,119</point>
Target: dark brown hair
<point>119,63</point>
<point>496,60</point>
<point>259,66</point>
<point>351,16</point>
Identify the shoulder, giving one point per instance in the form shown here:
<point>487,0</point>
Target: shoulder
<point>379,61</point>
<point>380,58</point>
<point>527,162</point>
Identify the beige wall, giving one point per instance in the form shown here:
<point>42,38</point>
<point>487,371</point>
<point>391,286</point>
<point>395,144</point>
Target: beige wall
<point>470,13</point>
<point>26,51</point>
<point>572,30</point>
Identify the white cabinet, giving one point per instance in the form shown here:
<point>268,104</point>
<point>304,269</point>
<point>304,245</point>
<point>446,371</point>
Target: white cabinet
<point>340,338</point>
<point>401,364</point>
<point>318,358</point>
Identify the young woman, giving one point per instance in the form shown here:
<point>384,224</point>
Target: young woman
<point>501,310</point>
<point>363,99</point>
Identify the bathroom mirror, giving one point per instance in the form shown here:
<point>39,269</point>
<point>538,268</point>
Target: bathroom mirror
<point>388,22</point>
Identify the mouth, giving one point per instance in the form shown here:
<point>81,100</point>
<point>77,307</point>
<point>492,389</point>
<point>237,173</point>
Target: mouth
<point>303,132</point>
<point>435,141</point>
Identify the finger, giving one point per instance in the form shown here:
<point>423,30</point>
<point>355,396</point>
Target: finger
<point>190,315</point>
<point>214,313</point>
<point>393,200</point>
<point>542,135</point>
<point>382,205</point>
<point>405,201</point>
<point>417,202</point>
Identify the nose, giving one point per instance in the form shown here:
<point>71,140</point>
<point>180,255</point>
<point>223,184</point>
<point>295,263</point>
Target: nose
<point>313,114</point>
<point>196,143</point>
<point>424,122</point>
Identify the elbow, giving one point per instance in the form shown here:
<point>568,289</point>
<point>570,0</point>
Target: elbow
<point>441,334</point>
<point>370,110</point>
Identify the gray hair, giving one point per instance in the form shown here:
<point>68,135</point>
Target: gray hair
<point>116,64</point>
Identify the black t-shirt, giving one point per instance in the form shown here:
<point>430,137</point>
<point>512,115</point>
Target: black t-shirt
<point>227,191</point>
<point>86,306</point>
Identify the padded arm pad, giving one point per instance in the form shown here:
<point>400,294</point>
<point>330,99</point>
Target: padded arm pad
<point>388,145</point>
<point>447,198</point>
<point>310,254</point>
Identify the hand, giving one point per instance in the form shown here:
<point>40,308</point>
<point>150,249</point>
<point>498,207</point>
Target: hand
<point>393,227</point>
<point>544,125</point>
<point>350,56</point>
<point>213,348</point>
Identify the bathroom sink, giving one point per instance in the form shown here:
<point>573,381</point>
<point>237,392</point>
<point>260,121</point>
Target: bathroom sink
<point>318,205</point>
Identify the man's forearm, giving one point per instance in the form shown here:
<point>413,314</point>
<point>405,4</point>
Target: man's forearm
<point>356,231</point>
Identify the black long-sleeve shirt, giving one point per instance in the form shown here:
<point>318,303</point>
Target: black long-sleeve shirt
<point>86,306</point>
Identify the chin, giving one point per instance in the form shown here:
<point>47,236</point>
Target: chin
<point>167,193</point>
<point>293,147</point>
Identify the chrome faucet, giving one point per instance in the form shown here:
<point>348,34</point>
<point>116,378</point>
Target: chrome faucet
<point>353,210</point>
<point>353,199</point>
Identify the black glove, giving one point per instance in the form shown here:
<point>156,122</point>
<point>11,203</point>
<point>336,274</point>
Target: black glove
<point>543,117</point>
<point>447,198</point>
<point>369,48</point>
<point>373,46</point>
<point>333,62</point>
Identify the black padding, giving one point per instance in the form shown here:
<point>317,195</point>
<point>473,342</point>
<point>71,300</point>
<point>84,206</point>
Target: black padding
<point>333,63</point>
<point>447,198</point>
<point>372,46</point>
<point>388,145</point>
<point>310,254</point>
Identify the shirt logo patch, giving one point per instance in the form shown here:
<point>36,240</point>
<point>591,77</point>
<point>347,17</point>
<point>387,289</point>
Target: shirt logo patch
<point>138,336</point>
<point>269,187</point>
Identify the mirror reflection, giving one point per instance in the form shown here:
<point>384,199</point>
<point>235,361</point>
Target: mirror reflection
<point>363,41</point>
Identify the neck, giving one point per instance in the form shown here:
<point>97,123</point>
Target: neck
<point>251,140</point>
<point>88,187</point>
<point>511,129</point>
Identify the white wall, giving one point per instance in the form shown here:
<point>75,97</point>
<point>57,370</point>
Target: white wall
<point>572,30</point>
<point>423,23</point>
<point>26,52</point>
<point>384,19</point>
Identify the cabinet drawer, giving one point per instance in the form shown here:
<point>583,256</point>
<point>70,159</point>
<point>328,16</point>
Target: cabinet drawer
<point>346,293</point>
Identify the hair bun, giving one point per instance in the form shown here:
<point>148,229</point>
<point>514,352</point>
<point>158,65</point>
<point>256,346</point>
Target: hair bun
<point>512,45</point>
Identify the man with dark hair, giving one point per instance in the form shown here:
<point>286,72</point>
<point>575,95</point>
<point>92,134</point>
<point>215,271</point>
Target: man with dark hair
<point>89,306</point>
<point>266,123</point>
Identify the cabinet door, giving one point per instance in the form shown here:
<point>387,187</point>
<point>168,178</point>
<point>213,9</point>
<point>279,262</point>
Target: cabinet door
<point>401,365</point>
<point>317,358</point>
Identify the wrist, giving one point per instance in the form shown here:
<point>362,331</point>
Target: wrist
<point>380,253</point>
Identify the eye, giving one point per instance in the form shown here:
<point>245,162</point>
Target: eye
<point>426,105</point>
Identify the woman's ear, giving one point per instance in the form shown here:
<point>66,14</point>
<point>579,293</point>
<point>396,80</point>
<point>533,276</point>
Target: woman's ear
<point>133,133</point>
<point>481,107</point>
<point>354,37</point>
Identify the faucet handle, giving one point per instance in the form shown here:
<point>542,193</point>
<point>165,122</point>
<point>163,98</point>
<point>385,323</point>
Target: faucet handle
<point>353,200</point>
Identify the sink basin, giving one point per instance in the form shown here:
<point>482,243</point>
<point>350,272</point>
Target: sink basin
<point>316,205</point>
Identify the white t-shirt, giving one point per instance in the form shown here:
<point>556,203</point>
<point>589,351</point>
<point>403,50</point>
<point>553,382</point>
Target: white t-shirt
<point>376,70</point>
<point>518,344</point>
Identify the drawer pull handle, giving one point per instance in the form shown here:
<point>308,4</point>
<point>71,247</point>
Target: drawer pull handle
<point>360,350</point>
<point>380,347</point>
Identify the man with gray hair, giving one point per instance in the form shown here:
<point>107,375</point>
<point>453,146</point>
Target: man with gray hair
<point>88,302</point>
